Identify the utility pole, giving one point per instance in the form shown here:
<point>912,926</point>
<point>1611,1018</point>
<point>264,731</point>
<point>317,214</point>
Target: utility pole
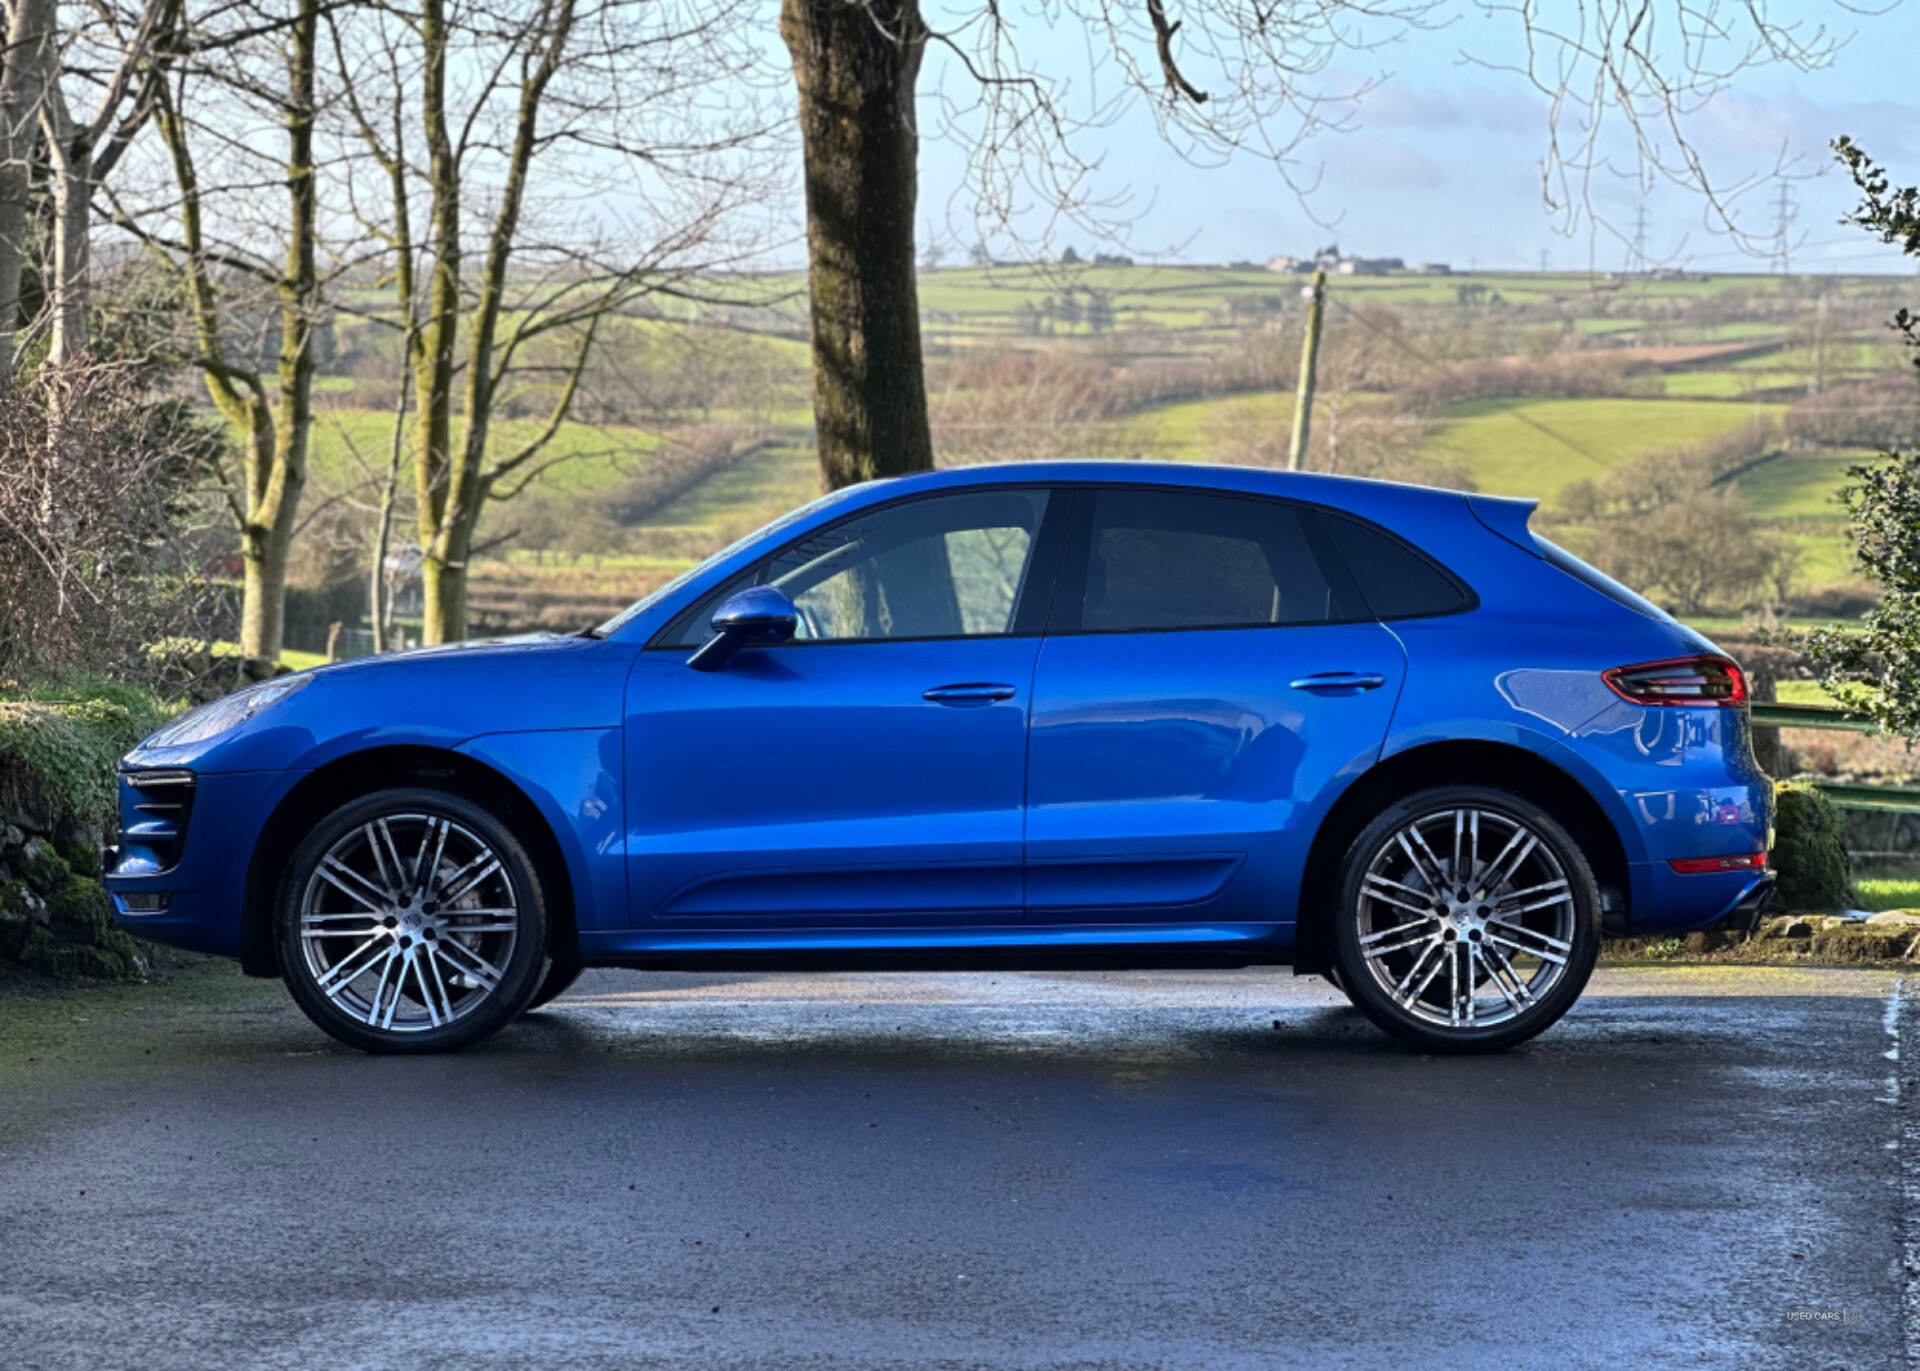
<point>1784,213</point>
<point>1639,262</point>
<point>1309,355</point>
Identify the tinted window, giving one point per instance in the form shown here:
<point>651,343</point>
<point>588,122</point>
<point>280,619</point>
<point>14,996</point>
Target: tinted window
<point>1166,559</point>
<point>948,566</point>
<point>1398,582</point>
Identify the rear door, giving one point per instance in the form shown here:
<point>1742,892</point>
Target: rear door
<point>1208,671</point>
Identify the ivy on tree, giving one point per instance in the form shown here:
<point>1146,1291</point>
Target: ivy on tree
<point>1877,669</point>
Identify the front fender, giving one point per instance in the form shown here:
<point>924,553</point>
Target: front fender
<point>572,777</point>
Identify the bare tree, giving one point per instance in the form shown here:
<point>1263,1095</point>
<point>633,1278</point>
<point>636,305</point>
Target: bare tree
<point>500,122</point>
<point>257,70</point>
<point>119,57</point>
<point>32,47</point>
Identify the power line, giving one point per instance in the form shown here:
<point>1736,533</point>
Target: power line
<point>1426,360</point>
<point>1784,213</point>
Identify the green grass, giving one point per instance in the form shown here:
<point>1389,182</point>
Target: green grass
<point>1207,430</point>
<point>351,445</point>
<point>1728,384</point>
<point>1888,892</point>
<point>1727,626</point>
<point>741,497</point>
<point>1801,693</point>
<point>1796,486</point>
<point>1535,447</point>
<point>292,660</point>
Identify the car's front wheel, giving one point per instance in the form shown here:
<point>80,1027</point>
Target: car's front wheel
<point>411,920</point>
<point>557,982</point>
<point>1468,920</point>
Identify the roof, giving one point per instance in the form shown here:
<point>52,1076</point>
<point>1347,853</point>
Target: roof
<point>1300,485</point>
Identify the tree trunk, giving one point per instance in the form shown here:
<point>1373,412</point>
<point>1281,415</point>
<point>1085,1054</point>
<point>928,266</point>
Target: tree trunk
<point>379,592</point>
<point>448,520</point>
<point>263,597</point>
<point>443,582</point>
<point>855,65</point>
<point>277,469</point>
<point>72,208</point>
<point>29,57</point>
<point>442,586</point>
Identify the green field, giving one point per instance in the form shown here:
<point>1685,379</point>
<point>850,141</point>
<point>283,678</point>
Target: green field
<point>1535,447</point>
<point>1188,323</point>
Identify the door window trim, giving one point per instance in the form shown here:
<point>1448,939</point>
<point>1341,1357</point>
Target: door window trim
<point>1077,555</point>
<point>1030,610</point>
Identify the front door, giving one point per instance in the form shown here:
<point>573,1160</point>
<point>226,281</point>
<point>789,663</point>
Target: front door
<point>872,771</point>
<point>1205,676</point>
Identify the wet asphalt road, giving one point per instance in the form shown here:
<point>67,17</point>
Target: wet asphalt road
<point>1171,1170</point>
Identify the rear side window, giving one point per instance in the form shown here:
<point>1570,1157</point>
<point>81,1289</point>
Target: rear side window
<point>1397,581</point>
<point>1160,559</point>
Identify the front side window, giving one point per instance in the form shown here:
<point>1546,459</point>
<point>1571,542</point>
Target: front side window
<point>946,566</point>
<point>1161,559</point>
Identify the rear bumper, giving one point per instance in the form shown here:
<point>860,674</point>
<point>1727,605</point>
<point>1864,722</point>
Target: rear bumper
<point>1667,902</point>
<point>1746,911</point>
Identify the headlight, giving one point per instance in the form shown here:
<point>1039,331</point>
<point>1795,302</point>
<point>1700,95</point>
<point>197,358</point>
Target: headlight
<point>229,711</point>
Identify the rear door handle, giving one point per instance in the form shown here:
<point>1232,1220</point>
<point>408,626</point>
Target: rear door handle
<point>1340,682</point>
<point>969,693</point>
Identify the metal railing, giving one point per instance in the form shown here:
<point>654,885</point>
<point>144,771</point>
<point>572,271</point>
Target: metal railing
<point>1844,794</point>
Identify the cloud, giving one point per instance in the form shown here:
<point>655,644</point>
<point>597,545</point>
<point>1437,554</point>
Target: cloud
<point>1396,103</point>
<point>1763,123</point>
<point>1367,162</point>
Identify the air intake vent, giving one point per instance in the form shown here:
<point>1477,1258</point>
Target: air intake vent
<point>157,818</point>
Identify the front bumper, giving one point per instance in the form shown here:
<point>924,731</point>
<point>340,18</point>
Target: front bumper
<point>184,882</point>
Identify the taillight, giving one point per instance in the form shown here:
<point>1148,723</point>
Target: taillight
<point>1697,866</point>
<point>1682,681</point>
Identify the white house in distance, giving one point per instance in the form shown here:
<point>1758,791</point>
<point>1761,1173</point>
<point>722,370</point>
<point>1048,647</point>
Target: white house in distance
<point>1339,266</point>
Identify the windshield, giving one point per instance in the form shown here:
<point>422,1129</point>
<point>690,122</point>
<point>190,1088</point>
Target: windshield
<point>659,593</point>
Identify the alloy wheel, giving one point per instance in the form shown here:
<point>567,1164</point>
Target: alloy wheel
<point>408,922</point>
<point>1466,918</point>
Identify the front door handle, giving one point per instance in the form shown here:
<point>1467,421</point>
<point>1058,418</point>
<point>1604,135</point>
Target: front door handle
<point>1340,682</point>
<point>968,693</point>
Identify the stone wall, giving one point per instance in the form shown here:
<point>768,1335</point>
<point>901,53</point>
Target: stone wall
<point>55,919</point>
<point>57,798</point>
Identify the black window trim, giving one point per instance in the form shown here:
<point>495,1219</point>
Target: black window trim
<point>1061,555</point>
<point>1070,589</point>
<point>1043,565</point>
<point>1469,597</point>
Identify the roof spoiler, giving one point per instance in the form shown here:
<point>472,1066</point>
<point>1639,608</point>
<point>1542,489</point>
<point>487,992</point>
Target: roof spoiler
<point>1506,517</point>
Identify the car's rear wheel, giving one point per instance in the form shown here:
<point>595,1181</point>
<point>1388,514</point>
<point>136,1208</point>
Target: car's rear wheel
<point>1468,920</point>
<point>412,920</point>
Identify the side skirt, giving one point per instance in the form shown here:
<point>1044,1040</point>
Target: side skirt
<point>1078,947</point>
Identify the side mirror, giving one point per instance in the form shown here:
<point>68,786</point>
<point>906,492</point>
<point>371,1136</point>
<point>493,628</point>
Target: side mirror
<point>759,616</point>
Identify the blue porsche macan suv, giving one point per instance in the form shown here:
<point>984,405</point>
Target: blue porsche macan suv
<point>1056,716</point>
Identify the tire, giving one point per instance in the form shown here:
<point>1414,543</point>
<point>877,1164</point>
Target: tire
<point>558,980</point>
<point>375,960</point>
<point>1465,967</point>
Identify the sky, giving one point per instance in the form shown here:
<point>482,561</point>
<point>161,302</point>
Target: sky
<point>1442,159</point>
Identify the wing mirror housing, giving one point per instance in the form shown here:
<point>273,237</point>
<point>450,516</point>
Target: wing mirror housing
<point>759,616</point>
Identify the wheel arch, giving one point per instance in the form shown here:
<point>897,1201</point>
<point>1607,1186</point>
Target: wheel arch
<point>1525,773</point>
<point>347,778</point>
